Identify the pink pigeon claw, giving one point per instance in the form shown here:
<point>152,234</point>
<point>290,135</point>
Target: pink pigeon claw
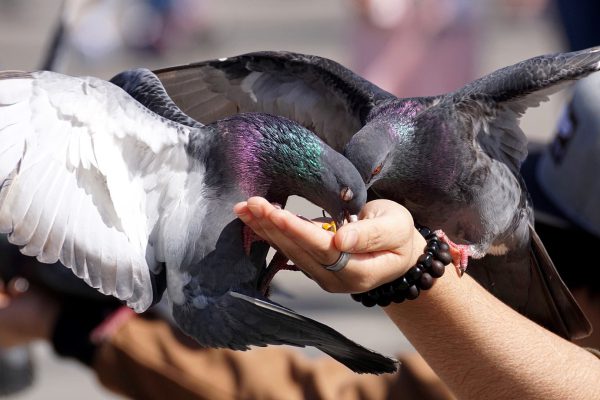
<point>460,252</point>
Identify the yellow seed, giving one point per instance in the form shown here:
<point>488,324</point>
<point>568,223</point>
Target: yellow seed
<point>331,226</point>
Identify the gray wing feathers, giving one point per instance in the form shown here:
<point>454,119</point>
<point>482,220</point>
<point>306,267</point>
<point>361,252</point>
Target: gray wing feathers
<point>318,93</point>
<point>563,311</point>
<point>495,102</point>
<point>81,169</point>
<point>146,88</point>
<point>264,322</point>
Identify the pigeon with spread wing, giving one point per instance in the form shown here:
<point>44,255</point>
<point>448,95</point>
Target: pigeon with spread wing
<point>453,160</point>
<point>122,191</point>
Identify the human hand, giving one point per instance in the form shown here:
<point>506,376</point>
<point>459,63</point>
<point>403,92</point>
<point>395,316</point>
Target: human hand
<point>384,243</point>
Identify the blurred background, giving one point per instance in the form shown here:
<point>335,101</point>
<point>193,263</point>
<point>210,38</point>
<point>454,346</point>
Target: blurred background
<point>409,47</point>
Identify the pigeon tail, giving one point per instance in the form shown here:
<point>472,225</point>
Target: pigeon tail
<point>265,322</point>
<point>561,313</point>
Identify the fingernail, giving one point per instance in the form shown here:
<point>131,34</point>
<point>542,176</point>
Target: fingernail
<point>349,240</point>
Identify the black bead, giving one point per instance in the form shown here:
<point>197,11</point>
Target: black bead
<point>374,294</point>
<point>356,296</point>
<point>437,269</point>
<point>424,231</point>
<point>432,236</point>
<point>412,292</point>
<point>385,289</point>
<point>368,301</point>
<point>444,257</point>
<point>399,297</point>
<point>384,301</point>
<point>400,284</point>
<point>444,246</point>
<point>413,274</point>
<point>432,247</point>
<point>425,260</point>
<point>426,281</point>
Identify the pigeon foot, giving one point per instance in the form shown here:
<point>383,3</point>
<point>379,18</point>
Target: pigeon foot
<point>460,252</point>
<point>278,263</point>
<point>249,237</point>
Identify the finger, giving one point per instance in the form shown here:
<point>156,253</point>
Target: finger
<point>312,237</point>
<point>388,230</point>
<point>294,250</point>
<point>299,239</point>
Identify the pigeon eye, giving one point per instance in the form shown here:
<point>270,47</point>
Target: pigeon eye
<point>346,194</point>
<point>377,170</point>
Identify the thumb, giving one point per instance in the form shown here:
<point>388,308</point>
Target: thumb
<point>384,231</point>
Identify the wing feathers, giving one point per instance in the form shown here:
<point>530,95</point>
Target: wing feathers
<point>51,251</point>
<point>307,89</point>
<point>500,98</point>
<point>79,177</point>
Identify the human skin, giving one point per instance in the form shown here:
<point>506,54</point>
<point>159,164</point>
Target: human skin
<point>478,346</point>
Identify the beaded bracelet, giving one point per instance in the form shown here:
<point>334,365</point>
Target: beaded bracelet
<point>430,265</point>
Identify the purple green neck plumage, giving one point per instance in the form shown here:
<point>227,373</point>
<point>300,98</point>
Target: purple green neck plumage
<point>272,155</point>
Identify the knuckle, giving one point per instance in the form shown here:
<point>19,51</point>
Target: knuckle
<point>324,253</point>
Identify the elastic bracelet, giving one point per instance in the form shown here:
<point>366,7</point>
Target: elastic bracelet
<point>430,265</point>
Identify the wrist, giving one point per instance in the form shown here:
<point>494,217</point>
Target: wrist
<point>429,265</point>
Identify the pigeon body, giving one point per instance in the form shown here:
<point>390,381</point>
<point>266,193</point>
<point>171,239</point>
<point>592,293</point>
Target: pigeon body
<point>453,160</point>
<point>122,187</point>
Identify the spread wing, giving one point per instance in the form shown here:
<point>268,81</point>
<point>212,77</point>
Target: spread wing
<point>321,94</point>
<point>87,173</point>
<point>496,102</point>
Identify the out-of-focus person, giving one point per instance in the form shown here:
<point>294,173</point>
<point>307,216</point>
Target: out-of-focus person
<point>580,21</point>
<point>400,44</point>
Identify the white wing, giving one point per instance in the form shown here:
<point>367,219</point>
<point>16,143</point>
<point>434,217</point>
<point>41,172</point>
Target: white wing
<point>87,172</point>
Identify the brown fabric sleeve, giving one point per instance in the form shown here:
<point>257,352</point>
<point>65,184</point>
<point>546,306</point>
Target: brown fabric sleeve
<point>147,359</point>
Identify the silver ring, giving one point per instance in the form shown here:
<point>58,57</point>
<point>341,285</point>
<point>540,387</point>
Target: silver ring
<point>340,264</point>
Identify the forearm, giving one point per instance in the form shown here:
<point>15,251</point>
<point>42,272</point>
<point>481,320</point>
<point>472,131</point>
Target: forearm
<point>483,349</point>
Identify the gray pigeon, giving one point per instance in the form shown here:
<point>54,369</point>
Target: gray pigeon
<point>121,194</point>
<point>453,160</point>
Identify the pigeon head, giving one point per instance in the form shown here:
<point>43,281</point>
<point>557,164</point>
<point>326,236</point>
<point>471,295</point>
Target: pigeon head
<point>386,148</point>
<point>276,157</point>
<point>370,151</point>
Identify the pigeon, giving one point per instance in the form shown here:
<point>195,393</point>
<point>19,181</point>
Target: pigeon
<point>453,160</point>
<point>125,189</point>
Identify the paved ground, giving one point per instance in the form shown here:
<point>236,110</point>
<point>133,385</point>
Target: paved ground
<point>310,26</point>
